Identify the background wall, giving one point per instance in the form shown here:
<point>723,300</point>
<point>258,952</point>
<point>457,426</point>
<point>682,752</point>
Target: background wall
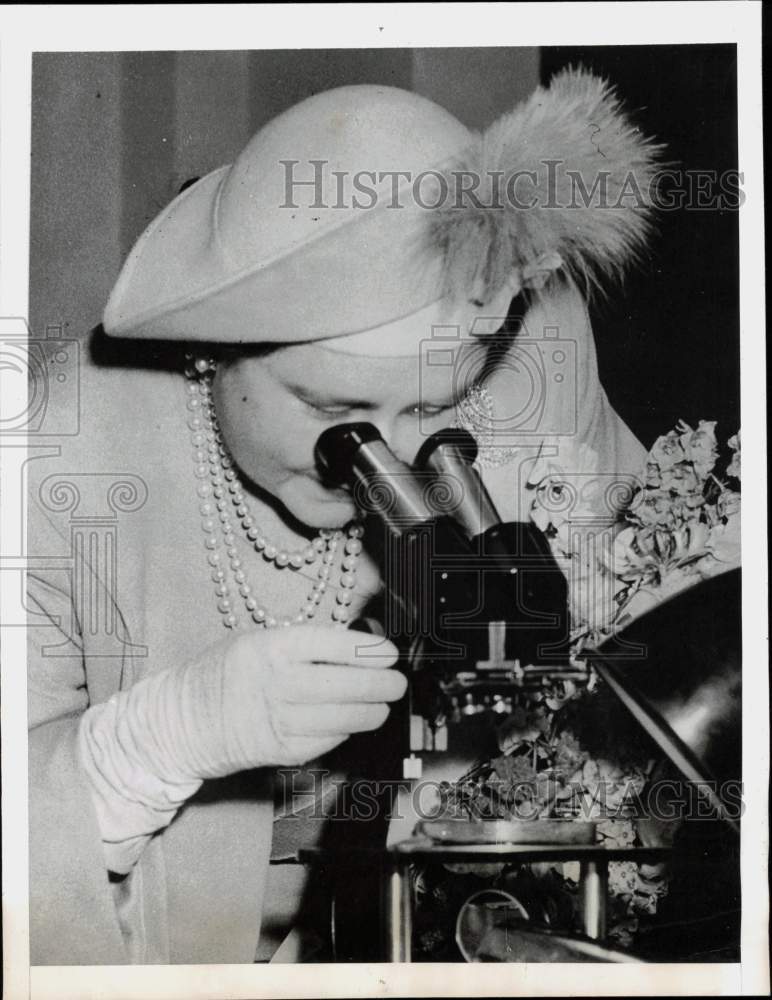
<point>669,346</point>
<point>114,135</point>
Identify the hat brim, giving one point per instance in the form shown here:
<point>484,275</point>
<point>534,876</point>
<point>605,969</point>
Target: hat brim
<point>269,302</point>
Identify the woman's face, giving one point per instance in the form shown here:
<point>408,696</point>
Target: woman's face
<point>272,409</point>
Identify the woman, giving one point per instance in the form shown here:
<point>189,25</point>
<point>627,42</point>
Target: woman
<point>310,283</point>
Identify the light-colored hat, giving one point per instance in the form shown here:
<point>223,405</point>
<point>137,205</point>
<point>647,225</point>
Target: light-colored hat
<point>358,207</point>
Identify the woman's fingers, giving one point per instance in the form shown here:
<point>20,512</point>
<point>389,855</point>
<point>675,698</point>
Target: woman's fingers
<point>325,644</point>
<point>331,720</point>
<point>320,683</point>
<point>310,747</point>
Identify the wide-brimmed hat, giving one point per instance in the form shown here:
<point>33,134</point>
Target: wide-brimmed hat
<point>365,204</point>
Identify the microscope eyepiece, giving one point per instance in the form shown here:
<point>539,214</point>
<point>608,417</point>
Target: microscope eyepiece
<point>455,438</point>
<point>355,455</point>
<point>337,448</point>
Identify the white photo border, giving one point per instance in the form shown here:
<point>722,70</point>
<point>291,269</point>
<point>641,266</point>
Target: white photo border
<point>27,29</point>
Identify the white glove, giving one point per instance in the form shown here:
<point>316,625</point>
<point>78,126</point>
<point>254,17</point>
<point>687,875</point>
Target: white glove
<point>271,698</point>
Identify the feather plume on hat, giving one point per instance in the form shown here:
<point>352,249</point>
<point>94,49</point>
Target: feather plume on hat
<point>581,199</point>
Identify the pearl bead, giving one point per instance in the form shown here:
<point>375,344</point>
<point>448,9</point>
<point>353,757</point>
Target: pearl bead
<point>201,365</point>
<point>212,461</point>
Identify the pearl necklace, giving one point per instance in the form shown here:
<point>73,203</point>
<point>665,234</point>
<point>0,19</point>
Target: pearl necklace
<point>214,463</point>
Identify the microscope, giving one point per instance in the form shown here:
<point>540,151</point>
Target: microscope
<point>478,606</point>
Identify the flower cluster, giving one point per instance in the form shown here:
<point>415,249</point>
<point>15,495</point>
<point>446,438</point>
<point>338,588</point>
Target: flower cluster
<point>683,523</point>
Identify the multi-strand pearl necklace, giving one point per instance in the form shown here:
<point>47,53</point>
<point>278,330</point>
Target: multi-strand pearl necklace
<point>220,494</point>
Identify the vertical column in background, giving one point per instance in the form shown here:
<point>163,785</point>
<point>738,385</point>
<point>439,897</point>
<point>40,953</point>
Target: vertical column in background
<point>212,111</point>
<point>148,137</point>
<point>76,189</point>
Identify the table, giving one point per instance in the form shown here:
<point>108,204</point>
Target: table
<point>394,861</point>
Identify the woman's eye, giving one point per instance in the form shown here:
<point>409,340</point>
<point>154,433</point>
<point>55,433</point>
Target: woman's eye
<point>327,411</point>
<point>428,410</point>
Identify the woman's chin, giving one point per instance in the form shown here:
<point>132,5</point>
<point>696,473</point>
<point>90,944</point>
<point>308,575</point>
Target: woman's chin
<point>322,508</point>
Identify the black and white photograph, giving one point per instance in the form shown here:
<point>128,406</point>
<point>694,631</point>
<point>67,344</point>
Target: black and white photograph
<point>374,601</point>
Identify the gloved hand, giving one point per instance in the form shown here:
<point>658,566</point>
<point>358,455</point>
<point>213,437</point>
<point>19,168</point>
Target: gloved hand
<point>269,698</point>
